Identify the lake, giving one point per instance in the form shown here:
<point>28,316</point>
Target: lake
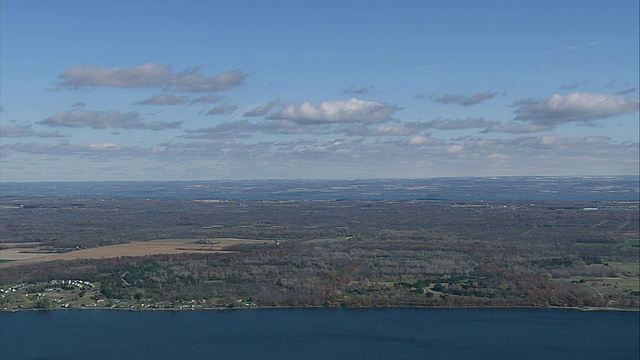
<point>392,333</point>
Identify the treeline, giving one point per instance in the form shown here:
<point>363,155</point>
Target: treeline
<point>333,274</point>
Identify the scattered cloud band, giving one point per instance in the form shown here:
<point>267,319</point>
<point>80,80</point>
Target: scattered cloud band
<point>19,131</point>
<point>460,99</point>
<point>336,111</point>
<point>149,75</point>
<point>578,106</point>
<point>164,100</point>
<point>106,120</point>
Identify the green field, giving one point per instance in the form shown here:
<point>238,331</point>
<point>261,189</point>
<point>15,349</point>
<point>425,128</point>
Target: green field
<point>613,284</point>
<point>632,268</point>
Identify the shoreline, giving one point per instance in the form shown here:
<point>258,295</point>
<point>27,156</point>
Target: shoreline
<point>585,309</point>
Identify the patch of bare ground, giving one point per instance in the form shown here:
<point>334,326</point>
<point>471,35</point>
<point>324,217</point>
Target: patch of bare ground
<point>24,255</point>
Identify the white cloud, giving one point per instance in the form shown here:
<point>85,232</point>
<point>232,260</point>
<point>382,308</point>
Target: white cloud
<point>353,90</point>
<point>225,130</point>
<point>422,140</point>
<point>244,129</point>
<point>222,109</point>
<point>149,75</point>
<point>489,126</point>
<point>67,149</point>
<point>578,106</point>
<point>263,109</point>
<point>18,131</point>
<point>146,75</point>
<point>163,100</point>
<point>207,99</point>
<point>516,128</point>
<point>103,146</point>
<point>336,111</point>
<point>106,120</point>
<point>457,124</point>
<point>454,148</point>
<point>460,99</point>
<point>192,81</point>
<point>377,130</point>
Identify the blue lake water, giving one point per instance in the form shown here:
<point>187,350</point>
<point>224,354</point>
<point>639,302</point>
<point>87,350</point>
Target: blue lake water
<point>321,334</point>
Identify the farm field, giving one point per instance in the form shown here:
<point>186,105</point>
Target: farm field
<point>17,255</point>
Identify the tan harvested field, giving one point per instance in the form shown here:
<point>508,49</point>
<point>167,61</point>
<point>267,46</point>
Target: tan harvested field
<point>24,255</point>
<point>20,251</point>
<point>20,254</point>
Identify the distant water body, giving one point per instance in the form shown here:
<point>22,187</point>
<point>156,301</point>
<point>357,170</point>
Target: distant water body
<point>321,334</point>
<point>624,188</point>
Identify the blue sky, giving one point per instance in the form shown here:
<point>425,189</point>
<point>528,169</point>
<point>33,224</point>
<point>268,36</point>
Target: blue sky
<point>194,90</point>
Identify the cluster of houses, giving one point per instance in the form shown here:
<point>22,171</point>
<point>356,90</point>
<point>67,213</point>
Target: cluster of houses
<point>80,284</point>
<point>14,288</point>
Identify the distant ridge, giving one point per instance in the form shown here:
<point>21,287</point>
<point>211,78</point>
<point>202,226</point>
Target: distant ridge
<point>585,188</point>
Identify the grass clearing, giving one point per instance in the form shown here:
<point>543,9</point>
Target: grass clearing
<point>631,268</point>
<point>607,285</point>
<point>613,284</point>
